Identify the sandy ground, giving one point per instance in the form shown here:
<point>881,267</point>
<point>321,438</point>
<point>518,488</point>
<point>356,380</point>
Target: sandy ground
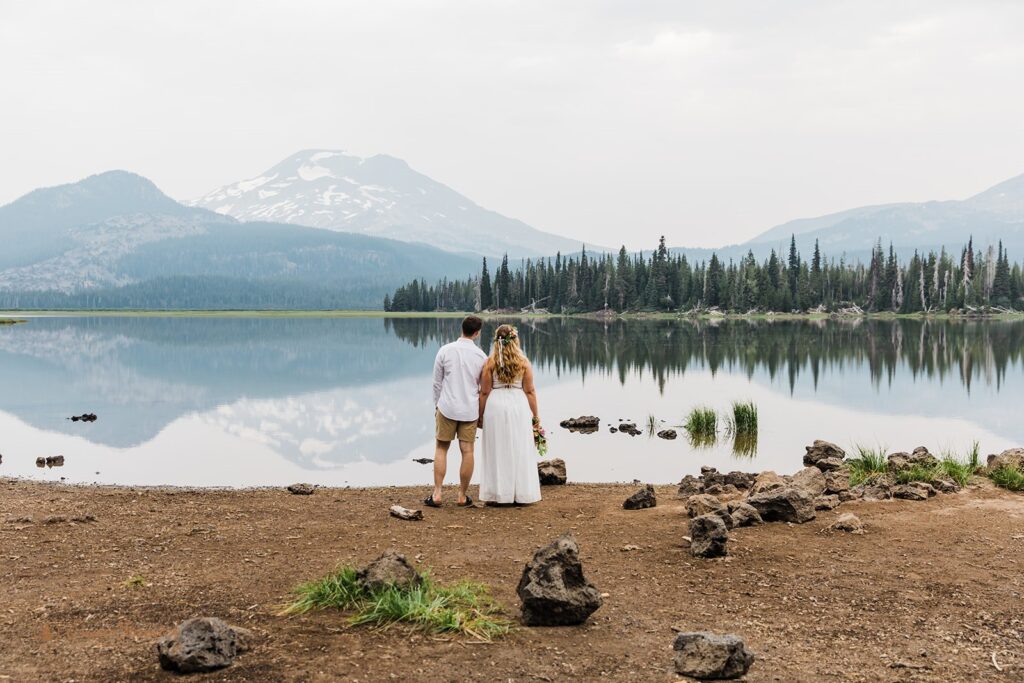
<point>931,593</point>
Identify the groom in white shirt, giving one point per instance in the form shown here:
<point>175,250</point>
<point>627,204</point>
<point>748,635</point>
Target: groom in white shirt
<point>457,406</point>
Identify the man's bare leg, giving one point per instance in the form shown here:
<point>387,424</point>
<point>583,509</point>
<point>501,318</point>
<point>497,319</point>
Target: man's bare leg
<point>465,469</point>
<point>440,467</point>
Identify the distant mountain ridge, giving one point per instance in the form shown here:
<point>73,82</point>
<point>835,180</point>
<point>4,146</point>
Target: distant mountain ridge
<point>381,196</point>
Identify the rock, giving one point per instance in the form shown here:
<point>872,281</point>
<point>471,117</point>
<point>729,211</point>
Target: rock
<point>822,450</point>
<point>1012,458</point>
<point>710,476</point>
<point>551,472</point>
<point>708,536</point>
<point>586,424</point>
<point>837,481</point>
<point>945,485</point>
<point>714,489</point>
<point>629,428</point>
<point>690,486</point>
<point>203,644</point>
<point>744,514</point>
<point>55,519</point>
<point>766,481</point>
<point>301,489</point>
<point>784,505</point>
<point>741,480</point>
<point>405,513</point>
<point>704,656</point>
<point>915,490</point>
<point>702,504</point>
<point>919,458</point>
<point>85,417</point>
<point>726,517</point>
<point>829,502</point>
<point>55,461</point>
<point>849,523</point>
<point>876,491</point>
<point>83,519</point>
<point>40,462</point>
<point>811,480</point>
<point>644,498</point>
<point>667,434</point>
<point>553,589</point>
<point>423,461</point>
<point>19,519</point>
<point>613,430</point>
<point>830,464</point>
<point>390,569</point>
<point>849,494</point>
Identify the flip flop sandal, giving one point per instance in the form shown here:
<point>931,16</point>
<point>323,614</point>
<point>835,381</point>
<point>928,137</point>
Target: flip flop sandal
<point>467,504</point>
<point>429,502</point>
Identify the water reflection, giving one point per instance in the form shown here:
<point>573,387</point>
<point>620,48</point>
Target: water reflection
<point>234,401</point>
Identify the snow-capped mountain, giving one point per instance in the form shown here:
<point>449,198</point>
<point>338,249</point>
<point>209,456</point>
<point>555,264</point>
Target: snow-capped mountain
<point>381,196</point>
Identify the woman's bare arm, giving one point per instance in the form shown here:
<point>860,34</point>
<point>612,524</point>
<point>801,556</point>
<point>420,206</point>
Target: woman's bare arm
<point>530,390</point>
<point>486,384</point>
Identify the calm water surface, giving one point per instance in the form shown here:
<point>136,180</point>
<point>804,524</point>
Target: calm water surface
<point>347,401</point>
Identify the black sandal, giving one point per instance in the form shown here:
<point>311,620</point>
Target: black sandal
<point>467,504</point>
<point>429,502</point>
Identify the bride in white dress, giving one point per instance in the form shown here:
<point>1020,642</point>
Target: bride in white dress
<point>508,411</point>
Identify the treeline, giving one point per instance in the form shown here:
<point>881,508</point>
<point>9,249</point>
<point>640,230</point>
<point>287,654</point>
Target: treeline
<point>781,283</point>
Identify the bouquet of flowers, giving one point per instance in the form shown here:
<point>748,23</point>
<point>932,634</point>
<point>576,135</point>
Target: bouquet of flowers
<point>539,438</point>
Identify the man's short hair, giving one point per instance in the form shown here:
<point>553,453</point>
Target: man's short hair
<point>471,325</point>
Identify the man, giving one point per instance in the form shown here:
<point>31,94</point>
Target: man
<point>457,406</point>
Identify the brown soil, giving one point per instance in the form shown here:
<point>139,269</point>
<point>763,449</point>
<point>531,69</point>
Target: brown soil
<point>931,593</point>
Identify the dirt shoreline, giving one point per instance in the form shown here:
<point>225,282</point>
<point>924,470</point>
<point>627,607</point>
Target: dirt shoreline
<point>930,593</point>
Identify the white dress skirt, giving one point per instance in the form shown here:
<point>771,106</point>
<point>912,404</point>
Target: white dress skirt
<point>508,460</point>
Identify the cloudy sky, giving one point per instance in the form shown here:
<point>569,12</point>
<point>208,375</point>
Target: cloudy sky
<point>611,121</point>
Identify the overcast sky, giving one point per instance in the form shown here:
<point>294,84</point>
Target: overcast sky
<point>612,121</point>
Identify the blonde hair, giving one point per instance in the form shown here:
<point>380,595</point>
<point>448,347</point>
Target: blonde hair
<point>507,357</point>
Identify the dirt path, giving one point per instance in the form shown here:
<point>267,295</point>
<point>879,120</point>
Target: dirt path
<point>928,594</point>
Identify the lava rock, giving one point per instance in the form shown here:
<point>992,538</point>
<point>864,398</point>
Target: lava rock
<point>708,536</point>
<point>919,458</point>
<point>703,504</point>
<point>40,462</point>
<point>849,494</point>
<point>811,480</point>
<point>202,644</point>
<point>423,461</point>
<point>644,498</point>
<point>1012,458</point>
<point>551,472</point>
<point>876,491</point>
<point>766,481</point>
<point>829,502</point>
<point>301,489</point>
<point>784,505</point>
<point>849,523</point>
<point>586,424</point>
<point>667,434</point>
<point>390,569</point>
<point>704,656</point>
<point>744,514</point>
<point>629,428</point>
<point>741,480</point>
<point>915,490</point>
<point>690,486</point>
<point>822,450</point>
<point>711,476</point>
<point>945,485</point>
<point>553,588</point>
<point>85,417</point>
<point>837,481</point>
<point>830,464</point>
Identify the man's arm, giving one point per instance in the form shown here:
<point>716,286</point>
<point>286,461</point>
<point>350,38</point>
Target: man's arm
<point>438,375</point>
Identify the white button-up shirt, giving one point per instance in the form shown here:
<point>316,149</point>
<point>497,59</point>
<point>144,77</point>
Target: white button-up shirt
<point>457,380</point>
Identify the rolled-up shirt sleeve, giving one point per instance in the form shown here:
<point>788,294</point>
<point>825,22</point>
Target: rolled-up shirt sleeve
<point>438,375</point>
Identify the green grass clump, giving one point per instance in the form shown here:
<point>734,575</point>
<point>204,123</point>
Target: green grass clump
<point>1008,478</point>
<point>702,425</point>
<point>916,473</point>
<point>744,417</point>
<point>869,463</point>
<point>465,607</point>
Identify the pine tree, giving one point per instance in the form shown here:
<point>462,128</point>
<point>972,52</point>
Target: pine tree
<point>486,293</point>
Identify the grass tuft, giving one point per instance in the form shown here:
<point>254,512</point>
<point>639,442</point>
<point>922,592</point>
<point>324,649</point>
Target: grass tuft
<point>702,425</point>
<point>744,417</point>
<point>869,463</point>
<point>1008,478</point>
<point>465,607</point>
<point>137,581</point>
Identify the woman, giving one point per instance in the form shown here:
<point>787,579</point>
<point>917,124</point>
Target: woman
<point>508,411</point>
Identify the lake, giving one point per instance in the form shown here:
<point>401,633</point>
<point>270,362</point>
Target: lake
<point>251,401</point>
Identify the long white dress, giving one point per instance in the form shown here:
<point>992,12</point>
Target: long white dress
<point>508,460</point>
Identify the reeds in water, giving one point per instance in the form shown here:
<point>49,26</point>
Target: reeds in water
<point>702,426</point>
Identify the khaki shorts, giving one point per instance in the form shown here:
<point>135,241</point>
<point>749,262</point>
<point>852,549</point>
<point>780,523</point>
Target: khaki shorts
<point>447,429</point>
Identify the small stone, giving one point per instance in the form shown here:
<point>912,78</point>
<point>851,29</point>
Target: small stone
<point>40,462</point>
<point>704,656</point>
<point>848,522</point>
<point>667,434</point>
<point>551,472</point>
<point>83,519</point>
<point>848,495</point>
<point>203,644</point>
<point>301,489</point>
<point>630,547</point>
<point>829,502</point>
<point>702,504</point>
<point>708,536</point>
<point>55,519</point>
<point>879,490</point>
<point>405,513</point>
<point>19,519</point>
<point>644,498</point>
<point>587,424</point>
<point>945,485</point>
<point>553,588</point>
<point>915,490</point>
<point>390,569</point>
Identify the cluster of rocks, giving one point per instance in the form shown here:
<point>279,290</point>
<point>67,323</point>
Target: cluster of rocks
<point>50,461</point>
<point>627,428</point>
<point>585,424</point>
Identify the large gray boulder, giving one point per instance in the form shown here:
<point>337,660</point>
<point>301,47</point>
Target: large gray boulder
<point>837,481</point>
<point>1012,458</point>
<point>690,486</point>
<point>551,472</point>
<point>766,481</point>
<point>784,505</point>
<point>704,656</point>
<point>588,424</point>
<point>920,457</point>
<point>644,498</point>
<point>553,588</point>
<point>708,536</point>
<point>741,480</point>
<point>810,479</point>
<point>201,644</point>
<point>702,504</point>
<point>915,490</point>
<point>744,514</point>
<point>822,450</point>
<point>390,569</point>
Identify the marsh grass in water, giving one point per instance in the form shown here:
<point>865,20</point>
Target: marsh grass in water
<point>702,425</point>
<point>744,418</point>
<point>744,444</point>
<point>652,425</point>
<point>1008,478</point>
<point>465,607</point>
